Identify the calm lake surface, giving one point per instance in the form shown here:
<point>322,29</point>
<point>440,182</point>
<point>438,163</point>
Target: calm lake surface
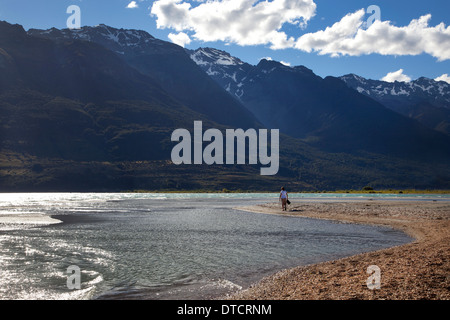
<point>163,246</point>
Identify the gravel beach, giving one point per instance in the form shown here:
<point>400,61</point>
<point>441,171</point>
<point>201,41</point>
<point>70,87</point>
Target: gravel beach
<point>418,270</point>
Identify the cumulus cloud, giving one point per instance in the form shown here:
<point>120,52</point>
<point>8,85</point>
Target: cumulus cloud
<point>396,76</point>
<point>132,5</point>
<point>244,22</point>
<point>348,37</point>
<point>180,39</point>
<point>256,22</point>
<point>444,77</point>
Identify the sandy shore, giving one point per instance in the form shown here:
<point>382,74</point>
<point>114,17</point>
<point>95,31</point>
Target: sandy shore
<point>418,270</point>
<point>9,221</point>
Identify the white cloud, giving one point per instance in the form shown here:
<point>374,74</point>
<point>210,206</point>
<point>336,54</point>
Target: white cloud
<point>132,5</point>
<point>256,22</point>
<point>244,22</point>
<point>396,76</point>
<point>180,39</point>
<point>444,77</point>
<point>347,37</point>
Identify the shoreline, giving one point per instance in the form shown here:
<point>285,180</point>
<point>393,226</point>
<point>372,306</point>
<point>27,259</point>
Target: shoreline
<point>394,192</point>
<point>27,219</point>
<point>417,270</point>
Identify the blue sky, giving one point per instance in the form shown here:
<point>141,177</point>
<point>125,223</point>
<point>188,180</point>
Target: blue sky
<point>250,43</point>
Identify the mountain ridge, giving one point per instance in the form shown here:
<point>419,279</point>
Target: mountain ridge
<point>167,64</point>
<point>324,112</point>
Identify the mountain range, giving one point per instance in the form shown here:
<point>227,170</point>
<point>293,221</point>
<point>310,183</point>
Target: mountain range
<point>325,113</point>
<point>94,108</point>
<point>426,100</point>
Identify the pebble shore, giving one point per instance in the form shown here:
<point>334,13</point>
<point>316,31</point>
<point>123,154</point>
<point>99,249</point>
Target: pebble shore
<point>418,270</point>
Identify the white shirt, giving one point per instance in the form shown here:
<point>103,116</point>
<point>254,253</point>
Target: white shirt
<point>283,194</point>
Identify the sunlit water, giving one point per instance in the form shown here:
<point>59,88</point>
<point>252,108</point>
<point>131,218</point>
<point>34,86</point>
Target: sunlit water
<point>161,246</point>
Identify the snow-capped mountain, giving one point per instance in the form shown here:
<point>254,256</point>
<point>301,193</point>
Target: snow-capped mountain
<point>420,90</point>
<point>121,41</point>
<point>232,73</point>
<point>214,57</point>
<point>324,112</point>
<point>228,71</point>
<point>425,100</point>
<point>168,64</point>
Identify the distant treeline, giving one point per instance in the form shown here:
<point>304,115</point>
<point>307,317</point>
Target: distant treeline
<point>365,190</point>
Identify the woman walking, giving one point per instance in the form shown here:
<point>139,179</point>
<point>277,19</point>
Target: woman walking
<point>283,198</point>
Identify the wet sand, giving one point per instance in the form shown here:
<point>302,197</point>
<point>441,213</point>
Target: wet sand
<point>418,270</point>
<point>27,219</point>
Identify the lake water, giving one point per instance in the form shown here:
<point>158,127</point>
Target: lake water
<point>162,246</point>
